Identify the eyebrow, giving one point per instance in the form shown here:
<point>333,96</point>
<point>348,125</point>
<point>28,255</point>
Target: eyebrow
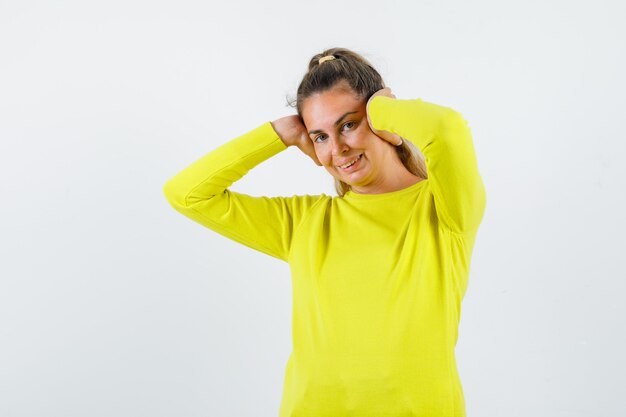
<point>336,123</point>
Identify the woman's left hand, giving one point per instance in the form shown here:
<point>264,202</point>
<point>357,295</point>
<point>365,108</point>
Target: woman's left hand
<point>383,134</point>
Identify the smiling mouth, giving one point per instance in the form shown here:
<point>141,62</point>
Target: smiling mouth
<point>351,163</point>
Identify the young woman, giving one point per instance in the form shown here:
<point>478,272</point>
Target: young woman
<point>378,271</point>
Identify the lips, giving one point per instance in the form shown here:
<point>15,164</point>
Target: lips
<point>347,161</point>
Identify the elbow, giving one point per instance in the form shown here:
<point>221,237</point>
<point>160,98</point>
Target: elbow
<point>479,204</point>
<point>455,118</point>
<point>174,194</point>
<point>183,196</point>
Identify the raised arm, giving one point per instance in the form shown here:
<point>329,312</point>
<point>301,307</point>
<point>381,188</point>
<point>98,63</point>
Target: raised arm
<point>444,138</point>
<point>200,192</point>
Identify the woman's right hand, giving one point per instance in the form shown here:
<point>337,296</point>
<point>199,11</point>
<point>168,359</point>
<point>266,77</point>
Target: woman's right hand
<point>292,132</point>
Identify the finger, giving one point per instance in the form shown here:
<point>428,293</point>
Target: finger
<point>309,149</point>
<point>317,161</point>
<point>392,138</point>
<point>313,156</point>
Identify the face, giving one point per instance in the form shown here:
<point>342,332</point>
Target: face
<point>336,121</point>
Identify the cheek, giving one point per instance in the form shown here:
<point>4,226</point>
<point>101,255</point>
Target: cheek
<point>323,155</point>
<point>361,139</point>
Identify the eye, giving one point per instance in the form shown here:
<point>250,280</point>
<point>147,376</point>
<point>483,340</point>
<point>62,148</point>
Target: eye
<point>344,125</point>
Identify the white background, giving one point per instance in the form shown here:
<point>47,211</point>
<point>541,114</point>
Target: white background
<point>113,304</point>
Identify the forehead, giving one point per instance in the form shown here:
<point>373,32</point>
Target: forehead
<point>321,110</point>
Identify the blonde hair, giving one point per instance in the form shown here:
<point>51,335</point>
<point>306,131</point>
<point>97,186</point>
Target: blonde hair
<point>363,81</point>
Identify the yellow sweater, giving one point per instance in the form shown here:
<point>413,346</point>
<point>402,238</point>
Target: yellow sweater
<point>377,279</point>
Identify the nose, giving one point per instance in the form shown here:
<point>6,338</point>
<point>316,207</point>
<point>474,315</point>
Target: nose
<point>338,146</point>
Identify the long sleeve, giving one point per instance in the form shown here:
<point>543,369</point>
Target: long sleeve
<point>444,138</point>
<point>200,192</point>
